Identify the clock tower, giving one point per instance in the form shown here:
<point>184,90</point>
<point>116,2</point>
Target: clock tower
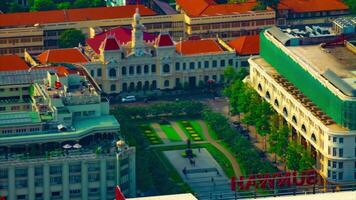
<point>137,43</point>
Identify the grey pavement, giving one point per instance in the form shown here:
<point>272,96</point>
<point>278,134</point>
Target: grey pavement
<point>208,181</point>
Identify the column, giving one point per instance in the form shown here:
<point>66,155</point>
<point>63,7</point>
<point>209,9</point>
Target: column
<point>65,180</point>
<point>11,178</point>
<point>103,178</point>
<point>46,182</point>
<point>84,180</point>
<point>118,168</point>
<point>31,182</point>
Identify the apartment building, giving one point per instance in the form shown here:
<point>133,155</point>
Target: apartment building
<point>57,139</point>
<point>312,87</point>
<point>301,12</point>
<point>207,19</point>
<point>39,31</point>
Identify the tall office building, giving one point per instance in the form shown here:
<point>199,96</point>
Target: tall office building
<point>57,139</point>
<point>308,76</point>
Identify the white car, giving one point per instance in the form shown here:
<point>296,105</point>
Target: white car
<point>128,99</point>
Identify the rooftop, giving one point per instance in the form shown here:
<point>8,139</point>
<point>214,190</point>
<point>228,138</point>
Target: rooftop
<point>246,45</point>
<point>9,118</point>
<point>71,15</point>
<point>192,47</point>
<point>312,5</point>
<point>12,63</point>
<point>210,8</point>
<point>122,35</point>
<point>71,55</point>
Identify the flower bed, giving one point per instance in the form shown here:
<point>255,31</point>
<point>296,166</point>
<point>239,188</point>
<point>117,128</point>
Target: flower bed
<point>190,131</point>
<point>151,134</point>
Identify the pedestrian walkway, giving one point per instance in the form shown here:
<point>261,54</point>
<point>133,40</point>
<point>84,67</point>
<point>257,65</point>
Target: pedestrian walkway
<point>180,132</point>
<point>205,177</point>
<point>160,133</point>
<point>221,148</point>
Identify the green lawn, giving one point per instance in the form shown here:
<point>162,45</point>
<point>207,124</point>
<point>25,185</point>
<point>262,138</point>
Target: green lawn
<point>171,133</point>
<point>151,134</point>
<point>190,131</point>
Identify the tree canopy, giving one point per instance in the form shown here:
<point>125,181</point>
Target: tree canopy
<point>71,38</point>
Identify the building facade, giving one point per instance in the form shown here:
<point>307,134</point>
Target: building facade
<point>312,88</point>
<point>135,61</point>
<point>58,140</point>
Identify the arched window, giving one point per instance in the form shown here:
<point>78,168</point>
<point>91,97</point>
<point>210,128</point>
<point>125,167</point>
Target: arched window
<point>138,69</point>
<point>132,87</point>
<point>113,87</point>
<point>123,70</point>
<point>112,73</point>
<point>166,68</point>
<point>124,87</point>
<point>303,128</point>
<point>276,102</point>
<point>268,96</point>
<point>146,86</point>
<point>294,119</point>
<point>154,85</point>
<point>166,83</point>
<point>285,111</point>
<point>313,137</point>
<point>259,87</point>
<point>131,70</point>
<point>139,86</point>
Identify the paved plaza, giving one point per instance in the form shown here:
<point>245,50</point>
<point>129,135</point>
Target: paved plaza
<point>206,178</point>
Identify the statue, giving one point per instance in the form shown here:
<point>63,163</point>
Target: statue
<point>189,151</point>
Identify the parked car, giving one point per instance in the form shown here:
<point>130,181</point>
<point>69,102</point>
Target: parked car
<point>128,99</point>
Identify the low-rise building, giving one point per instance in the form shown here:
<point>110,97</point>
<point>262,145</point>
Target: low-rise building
<point>57,139</point>
<point>312,86</point>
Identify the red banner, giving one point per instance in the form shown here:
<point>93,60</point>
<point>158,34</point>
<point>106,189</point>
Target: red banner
<point>274,180</point>
<point>118,194</point>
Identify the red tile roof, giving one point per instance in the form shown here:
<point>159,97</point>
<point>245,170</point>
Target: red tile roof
<point>12,63</point>
<point>122,35</point>
<point>164,40</point>
<point>110,43</point>
<point>209,7</point>
<point>71,15</point>
<point>246,45</point>
<point>71,55</point>
<point>312,5</point>
<point>191,47</point>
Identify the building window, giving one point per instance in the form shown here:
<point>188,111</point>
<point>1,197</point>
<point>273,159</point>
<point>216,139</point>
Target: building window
<point>303,128</point>
<point>329,163</point>
<point>285,112</point>
<point>113,87</point>
<point>192,65</point>
<point>215,63</point>
<point>231,62</point>
<point>341,140</point>
<point>341,152</point>
<point>124,87</point>
<point>146,69</point>
<point>153,68</point>
<point>146,85</point>
<point>334,151</point>
<point>276,102</point>
<point>244,64</point>
<point>166,68</point>
<point>259,87</point>
<point>334,139</point>
<point>139,86</point>
<point>98,72</point>
<point>268,96</point>
<point>112,73</point>
<point>206,64</point>
<point>294,119</point>
<point>222,63</point>
<point>166,83</point>
<point>177,66</point>
<point>154,85</point>
<point>123,71</point>
<point>199,65</point>
<point>138,69</point>
<point>341,165</point>
<point>341,175</point>
<point>334,175</point>
<point>131,70</point>
<point>92,73</point>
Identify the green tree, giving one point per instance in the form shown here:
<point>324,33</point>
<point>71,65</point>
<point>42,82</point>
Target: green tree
<point>15,7</point>
<point>352,5</point>
<point>278,140</point>
<point>5,5</point>
<point>293,156</point>
<point>229,74</point>
<point>63,5</point>
<point>71,38</point>
<point>81,4</point>
<point>42,5</point>
<point>269,3</point>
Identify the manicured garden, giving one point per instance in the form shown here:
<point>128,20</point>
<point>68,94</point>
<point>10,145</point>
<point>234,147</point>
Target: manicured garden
<point>151,134</point>
<point>172,135</point>
<point>191,131</point>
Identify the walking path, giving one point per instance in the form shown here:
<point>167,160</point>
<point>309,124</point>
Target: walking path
<point>221,148</point>
<point>179,130</point>
<point>160,133</point>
